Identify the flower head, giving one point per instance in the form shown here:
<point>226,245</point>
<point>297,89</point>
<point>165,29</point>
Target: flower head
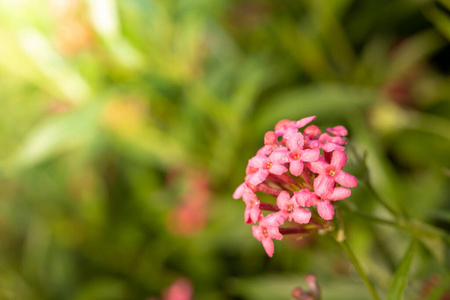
<point>302,170</point>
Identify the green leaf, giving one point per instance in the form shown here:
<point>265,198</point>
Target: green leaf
<point>401,275</point>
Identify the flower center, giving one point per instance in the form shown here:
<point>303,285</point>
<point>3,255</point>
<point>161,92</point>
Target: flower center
<point>265,233</point>
<point>290,208</point>
<point>269,165</point>
<point>296,156</point>
<point>332,172</point>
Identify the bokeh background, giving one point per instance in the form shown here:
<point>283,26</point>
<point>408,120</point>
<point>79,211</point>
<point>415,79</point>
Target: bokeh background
<point>125,127</point>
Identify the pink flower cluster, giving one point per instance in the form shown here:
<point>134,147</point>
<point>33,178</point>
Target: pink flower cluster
<point>303,170</point>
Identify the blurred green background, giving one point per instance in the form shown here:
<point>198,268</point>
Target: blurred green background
<point>127,125</point>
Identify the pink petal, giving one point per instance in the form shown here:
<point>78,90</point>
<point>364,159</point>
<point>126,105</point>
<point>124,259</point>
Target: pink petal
<point>283,200</point>
<point>339,193</point>
<point>239,191</point>
<point>303,196</point>
<point>301,216</point>
<point>270,138</point>
<point>296,167</point>
<point>251,214</point>
<point>259,176</point>
<point>274,232</point>
<point>264,151</point>
<point>312,131</point>
<point>257,232</point>
<point>323,185</point>
<point>338,130</point>
<point>346,179</point>
<point>258,161</point>
<point>276,219</point>
<point>325,210</point>
<point>280,156</point>
<point>249,197</point>
<point>268,246</point>
<point>295,141</point>
<point>304,121</point>
<point>318,167</point>
<point>278,169</point>
<point>338,159</point>
<point>310,155</point>
<point>330,147</point>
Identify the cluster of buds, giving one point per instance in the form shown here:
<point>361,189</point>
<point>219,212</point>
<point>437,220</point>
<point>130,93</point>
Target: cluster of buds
<point>303,170</point>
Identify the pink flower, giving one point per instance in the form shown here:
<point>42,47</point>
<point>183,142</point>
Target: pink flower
<point>331,173</point>
<point>252,210</point>
<point>324,206</point>
<point>298,155</point>
<point>312,132</point>
<point>289,209</point>
<point>305,198</point>
<point>285,127</point>
<point>338,130</point>
<point>265,232</point>
<point>181,289</point>
<point>273,164</point>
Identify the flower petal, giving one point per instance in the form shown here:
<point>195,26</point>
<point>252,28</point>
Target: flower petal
<point>283,200</point>
<point>301,215</point>
<point>346,179</point>
<point>257,232</point>
<point>323,185</point>
<point>268,246</point>
<point>338,159</point>
<point>259,176</point>
<point>258,161</point>
<point>310,155</point>
<point>318,166</point>
<point>339,193</point>
<point>274,232</point>
<point>303,196</point>
<point>239,191</point>
<point>296,167</point>
<point>278,169</point>
<point>276,219</point>
<point>325,210</point>
<point>330,147</point>
<point>304,121</point>
<point>295,141</point>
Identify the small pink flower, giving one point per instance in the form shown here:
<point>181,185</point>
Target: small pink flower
<point>265,150</point>
<point>252,210</point>
<point>305,198</point>
<point>326,138</point>
<point>312,132</point>
<point>181,289</point>
<point>331,173</point>
<point>289,209</point>
<point>298,155</point>
<point>265,232</point>
<point>338,130</point>
<point>271,139</point>
<point>285,127</point>
<point>273,164</point>
<point>324,206</point>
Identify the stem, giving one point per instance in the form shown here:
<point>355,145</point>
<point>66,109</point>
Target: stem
<point>437,232</point>
<point>358,268</point>
<point>293,230</point>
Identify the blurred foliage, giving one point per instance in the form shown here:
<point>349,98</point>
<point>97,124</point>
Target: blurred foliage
<point>126,126</point>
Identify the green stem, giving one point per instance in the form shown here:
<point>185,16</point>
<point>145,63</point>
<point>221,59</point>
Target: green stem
<point>431,230</point>
<point>358,268</point>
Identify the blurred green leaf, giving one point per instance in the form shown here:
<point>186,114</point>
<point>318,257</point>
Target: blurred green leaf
<point>396,290</point>
<point>332,100</point>
<point>57,135</point>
